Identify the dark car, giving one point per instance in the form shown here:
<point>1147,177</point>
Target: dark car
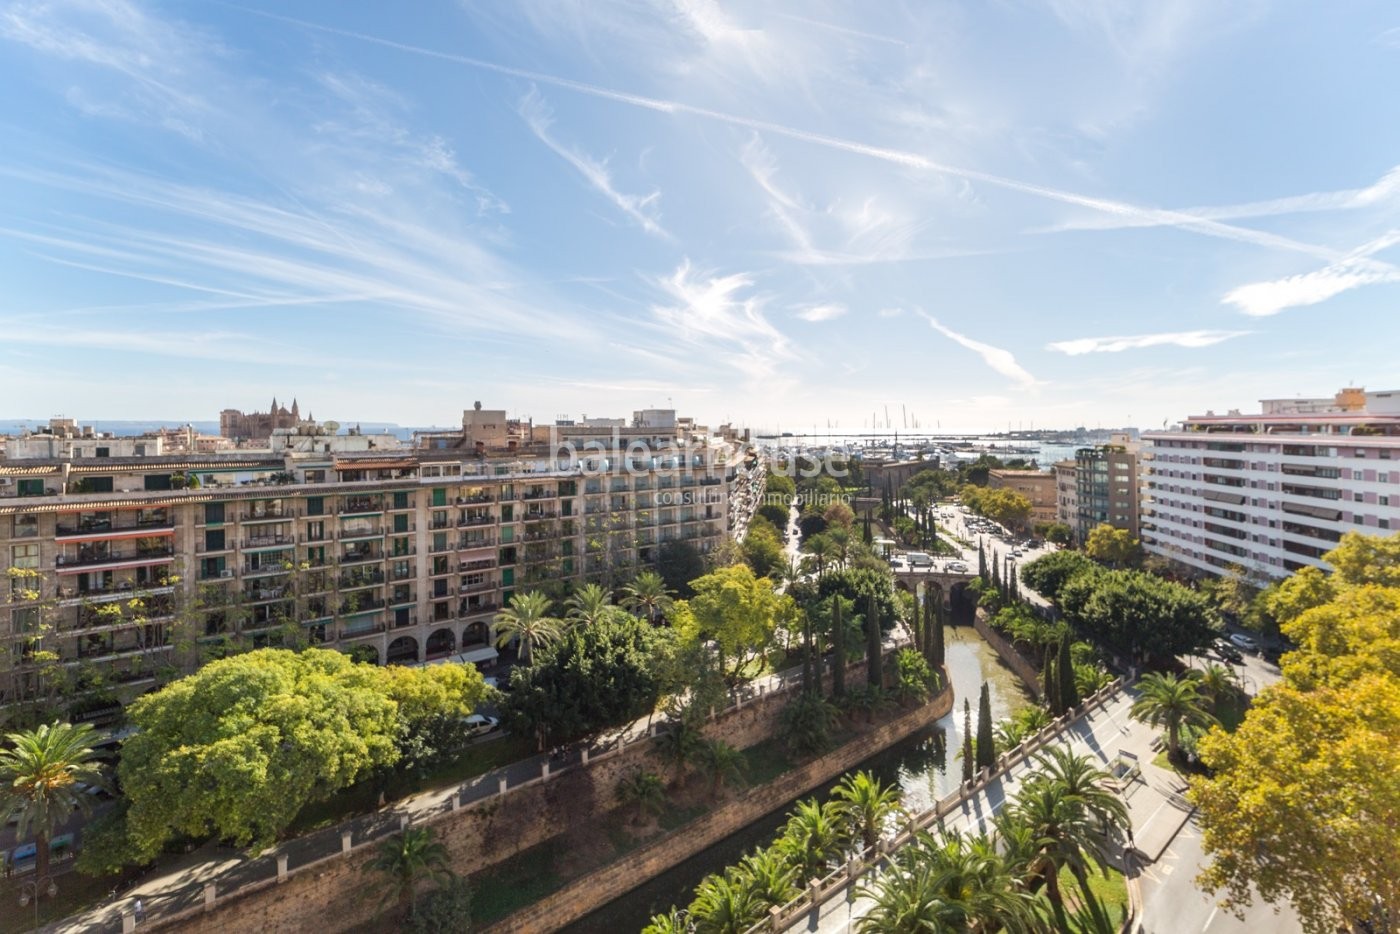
<point>1228,652</point>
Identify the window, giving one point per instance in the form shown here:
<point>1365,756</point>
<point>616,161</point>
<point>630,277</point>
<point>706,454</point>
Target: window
<point>99,484</point>
<point>213,513</point>
<point>401,501</point>
<point>440,496</point>
<point>316,531</point>
<point>26,527</point>
<point>315,505</point>
<point>1385,500</point>
<point>31,487</point>
<point>400,521</point>
<point>103,452</point>
<point>1385,523</point>
<point>214,540</point>
<point>25,557</point>
<point>157,481</point>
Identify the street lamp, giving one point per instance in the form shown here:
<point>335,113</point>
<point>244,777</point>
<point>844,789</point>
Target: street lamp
<point>29,891</point>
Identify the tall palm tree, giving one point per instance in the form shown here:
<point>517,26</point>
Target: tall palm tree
<point>42,779</point>
<point>648,596</point>
<point>1175,702</point>
<point>840,539</point>
<point>813,837</point>
<point>589,604</point>
<point>724,764</point>
<point>527,618</point>
<point>675,921</point>
<point>725,905</point>
<point>644,791</point>
<point>407,859</point>
<point>1216,682</point>
<point>864,804</point>
<point>1085,782</point>
<point>822,550</point>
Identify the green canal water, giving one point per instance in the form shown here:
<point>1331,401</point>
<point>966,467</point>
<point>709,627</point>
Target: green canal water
<point>925,765</point>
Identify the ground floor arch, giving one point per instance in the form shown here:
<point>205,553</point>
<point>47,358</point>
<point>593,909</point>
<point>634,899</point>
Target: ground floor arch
<point>402,651</point>
<point>440,642</point>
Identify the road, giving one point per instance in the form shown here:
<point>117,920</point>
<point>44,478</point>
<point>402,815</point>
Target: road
<point>1172,904</point>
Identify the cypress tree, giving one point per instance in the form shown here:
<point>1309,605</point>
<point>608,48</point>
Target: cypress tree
<point>981,562</point>
<point>1064,668</point>
<point>939,654</point>
<point>986,743</point>
<point>996,578</point>
<point>868,535</point>
<point>808,686</point>
<point>1050,684</point>
<point>967,741</point>
<point>874,657</point>
<point>838,654</point>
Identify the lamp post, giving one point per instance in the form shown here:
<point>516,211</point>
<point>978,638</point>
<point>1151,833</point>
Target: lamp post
<point>29,891</point>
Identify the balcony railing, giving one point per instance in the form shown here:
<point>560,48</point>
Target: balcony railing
<point>351,607</point>
<point>263,541</point>
<point>361,504</point>
<point>374,630</point>
<point>540,494</point>
<point>268,515</point>
<point>472,500</point>
<point>481,564</point>
<point>368,579</point>
<point>106,527</point>
<point>88,559</point>
<point>467,521</point>
<point>412,620</point>
<point>479,609</point>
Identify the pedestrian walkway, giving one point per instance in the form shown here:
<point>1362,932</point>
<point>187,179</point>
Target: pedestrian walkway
<point>1156,807</point>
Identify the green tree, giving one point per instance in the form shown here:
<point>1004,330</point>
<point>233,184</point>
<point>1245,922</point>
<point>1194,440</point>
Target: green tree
<point>737,610</point>
<point>874,646</point>
<point>679,744</point>
<point>763,547</point>
<point>1137,614</point>
<point>42,782</point>
<point>644,792</point>
<point>589,605</point>
<point>597,677</point>
<point>725,905</point>
<point>1114,547</point>
<point>865,805</point>
<point>916,680</point>
<point>678,562</point>
<point>527,619</point>
<point>1048,574</point>
<point>675,921</point>
<point>806,725</point>
<point>406,861</point>
<point>1176,703</point>
<point>968,759</point>
<point>648,596</point>
<point>986,741</point>
<point>1068,692</point>
<point>235,750</point>
<point>768,875</point>
<point>445,908</point>
<point>813,837</point>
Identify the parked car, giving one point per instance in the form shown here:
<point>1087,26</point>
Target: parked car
<point>1244,642</point>
<point>478,724</point>
<point>1228,652</point>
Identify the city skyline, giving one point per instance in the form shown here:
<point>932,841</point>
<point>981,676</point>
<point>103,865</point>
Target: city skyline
<point>1053,214</point>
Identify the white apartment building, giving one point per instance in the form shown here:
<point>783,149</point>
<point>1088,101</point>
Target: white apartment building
<point>1275,491</point>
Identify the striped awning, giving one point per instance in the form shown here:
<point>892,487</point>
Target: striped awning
<point>375,465</point>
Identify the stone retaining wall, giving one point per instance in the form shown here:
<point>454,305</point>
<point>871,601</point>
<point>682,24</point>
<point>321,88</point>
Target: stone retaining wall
<point>1017,662</point>
<point>596,889</point>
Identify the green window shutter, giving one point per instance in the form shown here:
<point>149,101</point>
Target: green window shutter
<point>508,579</point>
<point>401,520</point>
<point>401,501</point>
<point>507,533</point>
<point>214,513</point>
<point>157,481</point>
<point>99,484</point>
<point>31,487</point>
<point>214,540</point>
<point>315,505</point>
<point>439,496</point>
<point>507,513</point>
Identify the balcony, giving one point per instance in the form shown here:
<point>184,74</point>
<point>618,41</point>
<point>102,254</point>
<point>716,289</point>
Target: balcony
<point>412,620</point>
<point>363,578</point>
<point>468,521</point>
<point>478,609</point>
<point>360,533</point>
<point>483,587</point>
<point>477,498</point>
<point>360,555</point>
<point>259,594</point>
<point>356,607</point>
<point>85,558</point>
<point>539,494</point>
<point>269,515</point>
<point>100,528</point>
<point>481,564</point>
<point>540,516</point>
<point>268,541</point>
<point>403,599</point>
<point>475,544</point>
<point>347,634</point>
<point>263,568</point>
<point>361,505</point>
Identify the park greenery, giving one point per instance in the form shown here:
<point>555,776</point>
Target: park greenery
<point>1302,800</point>
<point>1063,825</point>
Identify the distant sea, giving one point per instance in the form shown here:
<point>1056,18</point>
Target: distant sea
<point>14,426</point>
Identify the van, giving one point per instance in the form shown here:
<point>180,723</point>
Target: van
<point>917,559</point>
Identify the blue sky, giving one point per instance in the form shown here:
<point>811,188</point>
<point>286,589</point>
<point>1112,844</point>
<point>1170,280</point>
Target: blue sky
<point>982,214</point>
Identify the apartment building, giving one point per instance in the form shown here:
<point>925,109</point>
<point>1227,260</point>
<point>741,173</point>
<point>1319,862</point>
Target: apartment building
<point>1067,495</point>
<point>1274,491</point>
<point>396,556</point>
<point>1106,487</point>
<point>1038,486</point>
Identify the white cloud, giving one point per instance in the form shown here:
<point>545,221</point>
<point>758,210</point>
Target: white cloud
<point>1002,361</point>
<point>1085,345</point>
<point>640,208</point>
<point>891,312</point>
<point>1260,299</point>
<point>721,314</point>
<point>824,312</point>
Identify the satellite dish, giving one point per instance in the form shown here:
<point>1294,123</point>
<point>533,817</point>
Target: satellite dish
<point>331,427</point>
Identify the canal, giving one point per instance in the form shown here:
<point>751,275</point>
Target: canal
<point>925,765</point>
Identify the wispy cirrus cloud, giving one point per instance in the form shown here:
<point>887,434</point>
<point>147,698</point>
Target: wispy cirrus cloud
<point>824,312</point>
<point>640,208</point>
<point>1085,345</point>
<point>997,358</point>
<point>721,313</point>
<point>1357,269</point>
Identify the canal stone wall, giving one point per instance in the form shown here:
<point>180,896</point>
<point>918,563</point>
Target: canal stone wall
<point>596,889</point>
<point>1017,662</point>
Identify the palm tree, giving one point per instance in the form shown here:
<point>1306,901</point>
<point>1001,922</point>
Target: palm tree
<point>406,860</point>
<point>865,805</point>
<point>813,837</point>
<point>768,874</point>
<point>679,746</point>
<point>1175,702</point>
<point>675,921</point>
<point>527,618</point>
<point>42,781</point>
<point>822,549</point>
<point>1216,682</point>
<point>644,791</point>
<point>723,763</point>
<point>589,604</point>
<point>648,596</point>
<point>725,905</point>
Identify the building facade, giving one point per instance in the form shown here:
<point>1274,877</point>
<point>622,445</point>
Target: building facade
<point>1038,486</point>
<point>253,426</point>
<point>1067,497</point>
<point>1106,488</point>
<point>1273,492</point>
<point>397,556</point>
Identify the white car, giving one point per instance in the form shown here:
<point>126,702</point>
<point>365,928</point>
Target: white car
<point>1244,642</point>
<point>479,724</point>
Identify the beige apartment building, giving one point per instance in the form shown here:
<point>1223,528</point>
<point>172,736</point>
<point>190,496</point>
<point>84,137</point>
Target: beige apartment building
<point>1038,486</point>
<point>398,556</point>
<point>1067,496</point>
